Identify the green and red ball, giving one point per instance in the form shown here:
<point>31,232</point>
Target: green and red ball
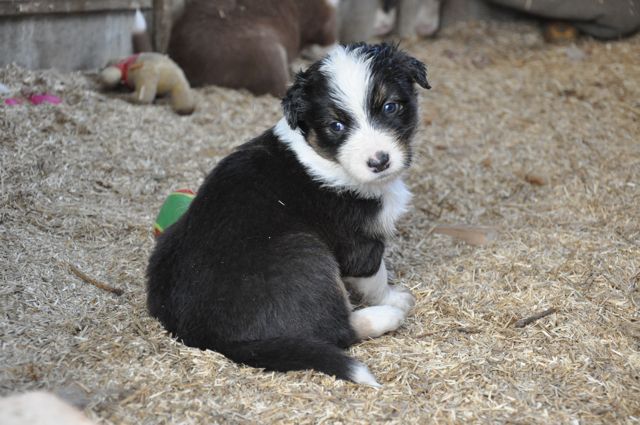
<point>172,209</point>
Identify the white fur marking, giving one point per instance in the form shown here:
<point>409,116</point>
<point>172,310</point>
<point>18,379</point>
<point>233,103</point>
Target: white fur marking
<point>321,169</point>
<point>400,297</point>
<point>376,291</point>
<point>362,145</point>
<point>374,288</point>
<point>395,202</point>
<point>372,322</point>
<point>328,173</point>
<point>349,75</point>
<point>360,375</point>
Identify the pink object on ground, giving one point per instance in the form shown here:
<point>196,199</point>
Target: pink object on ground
<point>37,99</point>
<point>12,101</point>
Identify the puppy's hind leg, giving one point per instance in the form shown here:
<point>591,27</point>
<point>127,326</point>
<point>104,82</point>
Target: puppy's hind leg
<point>376,291</point>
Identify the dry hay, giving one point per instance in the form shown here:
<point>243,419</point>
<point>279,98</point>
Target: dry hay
<point>538,141</point>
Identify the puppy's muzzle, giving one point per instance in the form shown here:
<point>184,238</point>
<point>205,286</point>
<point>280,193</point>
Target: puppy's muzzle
<point>379,162</point>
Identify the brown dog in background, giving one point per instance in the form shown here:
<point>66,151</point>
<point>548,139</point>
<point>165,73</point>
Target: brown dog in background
<point>248,43</point>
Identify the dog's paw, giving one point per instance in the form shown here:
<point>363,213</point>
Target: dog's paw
<point>371,322</point>
<point>400,297</point>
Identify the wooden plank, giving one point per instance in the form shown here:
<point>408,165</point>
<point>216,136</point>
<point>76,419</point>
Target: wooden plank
<point>30,7</point>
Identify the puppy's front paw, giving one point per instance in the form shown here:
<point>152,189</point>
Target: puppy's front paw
<point>371,322</point>
<point>400,297</point>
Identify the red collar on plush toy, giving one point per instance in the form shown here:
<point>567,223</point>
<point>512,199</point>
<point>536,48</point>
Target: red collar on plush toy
<point>124,65</point>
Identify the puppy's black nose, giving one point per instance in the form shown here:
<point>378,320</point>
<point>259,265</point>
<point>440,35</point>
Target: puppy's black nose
<point>379,163</point>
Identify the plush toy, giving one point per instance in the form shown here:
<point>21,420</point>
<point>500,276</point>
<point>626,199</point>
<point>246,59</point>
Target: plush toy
<point>172,209</point>
<point>151,74</point>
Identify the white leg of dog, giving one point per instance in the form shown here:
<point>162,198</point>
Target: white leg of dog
<point>376,291</point>
<point>371,322</point>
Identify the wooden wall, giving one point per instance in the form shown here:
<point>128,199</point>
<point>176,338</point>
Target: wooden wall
<point>76,34</point>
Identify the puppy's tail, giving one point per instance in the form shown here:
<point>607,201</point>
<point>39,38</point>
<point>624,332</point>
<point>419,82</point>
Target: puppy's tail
<point>284,354</point>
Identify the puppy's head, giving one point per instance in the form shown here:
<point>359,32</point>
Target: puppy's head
<point>356,110</point>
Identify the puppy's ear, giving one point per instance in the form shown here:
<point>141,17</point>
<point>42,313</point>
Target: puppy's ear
<point>418,72</point>
<point>293,103</point>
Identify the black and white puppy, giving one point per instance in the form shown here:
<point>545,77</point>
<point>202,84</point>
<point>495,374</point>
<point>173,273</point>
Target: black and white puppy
<point>256,268</point>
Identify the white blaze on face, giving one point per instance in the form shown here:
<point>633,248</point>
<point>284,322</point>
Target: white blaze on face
<point>349,76</point>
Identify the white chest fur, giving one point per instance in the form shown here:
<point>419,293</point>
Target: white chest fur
<point>395,201</point>
<point>394,195</point>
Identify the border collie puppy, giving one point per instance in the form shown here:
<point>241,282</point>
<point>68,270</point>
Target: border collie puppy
<point>256,268</point>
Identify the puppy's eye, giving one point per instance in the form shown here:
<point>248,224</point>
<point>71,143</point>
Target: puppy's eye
<point>337,127</point>
<point>391,108</point>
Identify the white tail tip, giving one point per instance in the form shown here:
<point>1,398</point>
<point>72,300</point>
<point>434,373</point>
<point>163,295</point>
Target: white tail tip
<point>360,375</point>
<point>139,23</point>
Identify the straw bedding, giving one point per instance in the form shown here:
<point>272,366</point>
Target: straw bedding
<point>540,142</point>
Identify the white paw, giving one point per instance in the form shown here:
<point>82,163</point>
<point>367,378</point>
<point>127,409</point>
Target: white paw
<point>371,322</point>
<point>400,297</point>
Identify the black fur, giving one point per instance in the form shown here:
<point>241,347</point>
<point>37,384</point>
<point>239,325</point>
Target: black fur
<point>252,269</point>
